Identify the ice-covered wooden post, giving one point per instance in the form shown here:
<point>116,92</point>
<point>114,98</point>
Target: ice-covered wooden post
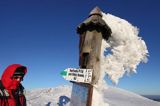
<point>91,32</point>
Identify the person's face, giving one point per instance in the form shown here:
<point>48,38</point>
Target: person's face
<point>18,78</point>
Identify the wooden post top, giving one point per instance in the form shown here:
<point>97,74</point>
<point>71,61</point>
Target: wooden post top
<point>95,22</point>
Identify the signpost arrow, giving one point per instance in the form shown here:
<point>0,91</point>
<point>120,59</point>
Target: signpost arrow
<point>63,73</point>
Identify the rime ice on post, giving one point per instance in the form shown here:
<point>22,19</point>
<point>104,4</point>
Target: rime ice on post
<point>127,49</point>
<point>91,31</point>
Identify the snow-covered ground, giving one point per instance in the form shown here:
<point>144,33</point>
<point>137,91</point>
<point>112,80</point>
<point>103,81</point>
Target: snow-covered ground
<point>60,96</point>
<point>48,96</point>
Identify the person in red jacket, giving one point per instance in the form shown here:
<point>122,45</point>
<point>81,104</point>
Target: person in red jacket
<point>11,89</point>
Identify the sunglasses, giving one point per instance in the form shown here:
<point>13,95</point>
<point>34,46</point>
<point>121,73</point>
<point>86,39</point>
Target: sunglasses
<point>17,77</point>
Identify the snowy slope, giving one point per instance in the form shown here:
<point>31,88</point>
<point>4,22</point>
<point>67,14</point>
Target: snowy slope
<point>120,97</point>
<point>61,95</point>
<point>47,96</point>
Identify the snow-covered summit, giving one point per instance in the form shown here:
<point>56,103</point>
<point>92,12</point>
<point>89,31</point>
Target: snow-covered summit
<point>60,96</point>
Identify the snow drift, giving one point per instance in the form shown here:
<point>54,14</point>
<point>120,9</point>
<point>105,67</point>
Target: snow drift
<point>60,96</point>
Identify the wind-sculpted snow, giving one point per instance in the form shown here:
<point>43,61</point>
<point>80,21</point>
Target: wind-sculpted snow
<point>123,51</point>
<point>60,96</point>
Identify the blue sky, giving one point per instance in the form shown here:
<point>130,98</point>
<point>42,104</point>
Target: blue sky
<point>41,34</point>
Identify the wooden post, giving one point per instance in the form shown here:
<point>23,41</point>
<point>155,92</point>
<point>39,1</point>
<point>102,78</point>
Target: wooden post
<point>91,31</point>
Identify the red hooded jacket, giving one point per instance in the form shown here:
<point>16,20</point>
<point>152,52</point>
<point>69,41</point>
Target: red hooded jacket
<point>11,91</point>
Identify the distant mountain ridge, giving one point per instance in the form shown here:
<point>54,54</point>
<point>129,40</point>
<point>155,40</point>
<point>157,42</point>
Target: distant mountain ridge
<point>153,97</point>
<point>60,96</point>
